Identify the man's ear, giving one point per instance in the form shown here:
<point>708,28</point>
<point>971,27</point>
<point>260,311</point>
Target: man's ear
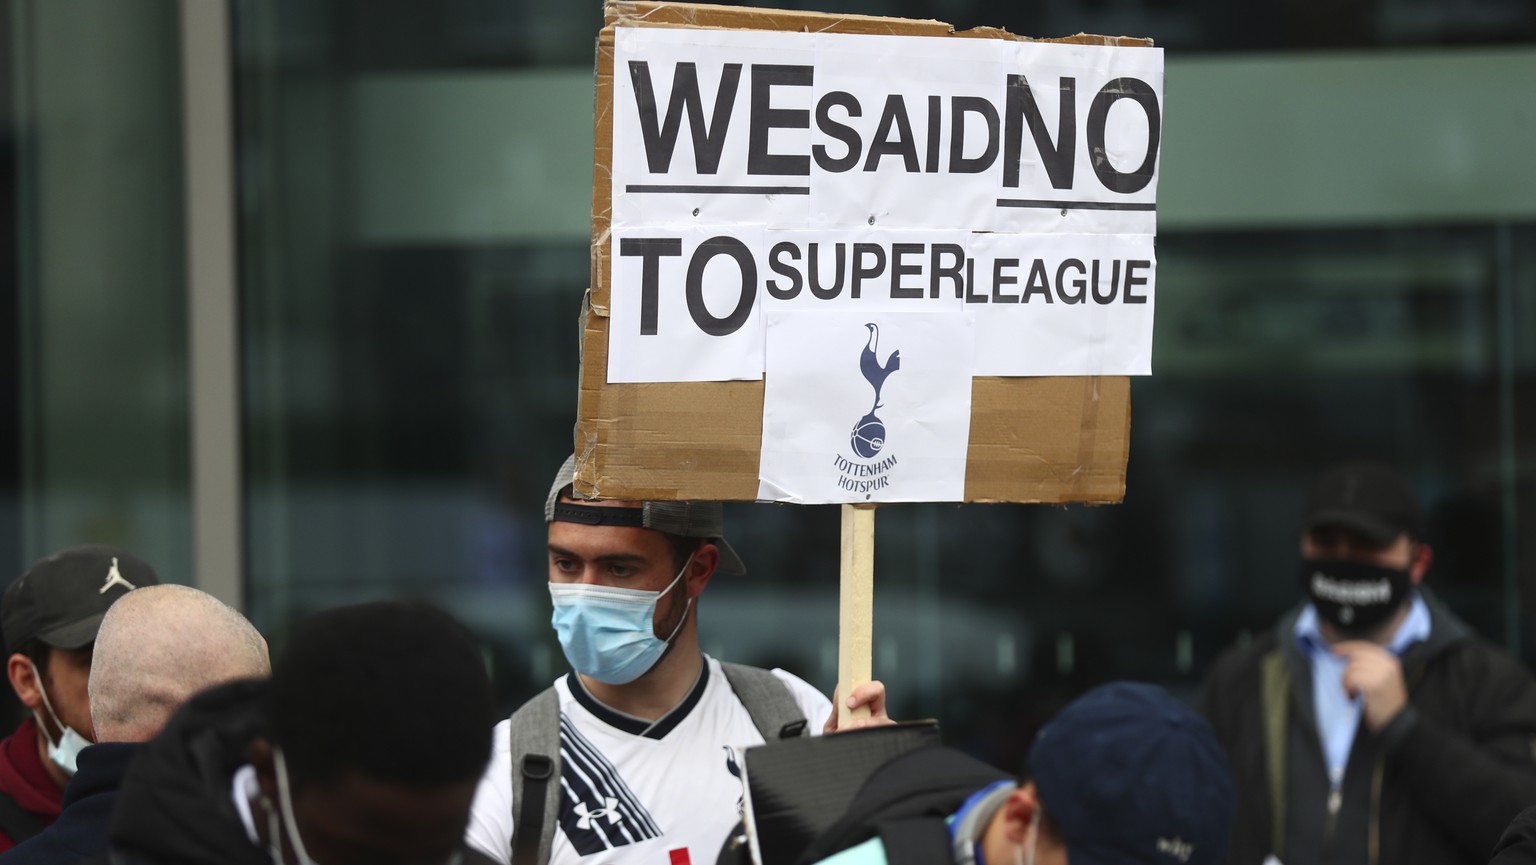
<point>260,755</point>
<point>1019,810</point>
<point>1423,557</point>
<point>24,682</point>
<point>705,560</point>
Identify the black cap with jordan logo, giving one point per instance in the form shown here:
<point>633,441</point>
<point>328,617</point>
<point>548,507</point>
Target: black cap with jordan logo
<point>61,599</point>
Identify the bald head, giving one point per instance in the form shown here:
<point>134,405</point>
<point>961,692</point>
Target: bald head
<point>158,646</point>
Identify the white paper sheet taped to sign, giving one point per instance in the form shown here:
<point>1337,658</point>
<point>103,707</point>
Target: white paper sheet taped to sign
<point>879,411</point>
<point>1052,304</point>
<point>1015,181</point>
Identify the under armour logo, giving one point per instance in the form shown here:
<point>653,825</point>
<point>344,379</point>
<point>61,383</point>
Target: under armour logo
<point>115,578</point>
<point>587,815</point>
<point>1176,847</point>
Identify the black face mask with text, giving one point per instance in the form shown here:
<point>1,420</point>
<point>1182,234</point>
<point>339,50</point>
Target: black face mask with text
<point>1354,597</point>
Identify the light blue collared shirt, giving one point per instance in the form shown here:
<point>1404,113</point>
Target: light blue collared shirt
<point>1338,714</point>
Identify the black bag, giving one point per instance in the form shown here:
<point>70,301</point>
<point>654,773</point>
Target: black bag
<point>797,788</point>
<point>907,802</point>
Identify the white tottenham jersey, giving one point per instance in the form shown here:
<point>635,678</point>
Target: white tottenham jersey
<point>664,796</point>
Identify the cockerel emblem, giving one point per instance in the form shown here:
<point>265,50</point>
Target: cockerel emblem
<point>869,433</point>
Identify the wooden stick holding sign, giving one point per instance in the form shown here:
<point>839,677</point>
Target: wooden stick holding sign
<point>856,601</point>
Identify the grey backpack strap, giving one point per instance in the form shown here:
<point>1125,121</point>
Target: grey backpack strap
<point>768,700</point>
<point>535,739</point>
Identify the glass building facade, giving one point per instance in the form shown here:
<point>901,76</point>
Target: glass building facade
<point>289,296</point>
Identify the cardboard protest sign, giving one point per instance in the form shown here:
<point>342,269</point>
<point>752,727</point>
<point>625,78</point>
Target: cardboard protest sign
<point>858,259</point>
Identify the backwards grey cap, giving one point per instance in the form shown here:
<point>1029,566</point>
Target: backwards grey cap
<point>688,519</point>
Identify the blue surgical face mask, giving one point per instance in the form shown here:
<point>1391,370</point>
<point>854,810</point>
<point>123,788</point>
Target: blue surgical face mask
<point>608,634</point>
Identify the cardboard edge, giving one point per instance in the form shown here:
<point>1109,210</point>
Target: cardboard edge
<point>642,13</point>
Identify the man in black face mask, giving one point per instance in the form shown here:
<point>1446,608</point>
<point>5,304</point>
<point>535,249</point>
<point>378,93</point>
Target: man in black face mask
<point>1371,725</point>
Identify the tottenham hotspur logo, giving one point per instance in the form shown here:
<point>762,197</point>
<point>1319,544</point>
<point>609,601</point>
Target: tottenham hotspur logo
<point>869,433</point>
<point>115,578</point>
<point>868,469</point>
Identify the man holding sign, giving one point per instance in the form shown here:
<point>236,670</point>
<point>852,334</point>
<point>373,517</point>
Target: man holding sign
<point>632,754</point>
<point>777,193</point>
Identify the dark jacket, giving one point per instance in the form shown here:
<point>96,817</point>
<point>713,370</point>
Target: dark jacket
<point>1518,846</point>
<point>35,798</point>
<point>81,830</point>
<point>906,802</point>
<point>176,804</point>
<point>1437,785</point>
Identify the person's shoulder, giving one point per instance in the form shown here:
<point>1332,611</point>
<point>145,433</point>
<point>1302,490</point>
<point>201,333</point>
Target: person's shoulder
<point>795,683</point>
<point>1518,845</point>
<point>807,695</point>
<point>1526,822</point>
<point>813,705</point>
<point>1234,677</point>
<point>551,700</point>
<point>1479,662</point>
<point>1479,681</point>
<point>1470,652</point>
